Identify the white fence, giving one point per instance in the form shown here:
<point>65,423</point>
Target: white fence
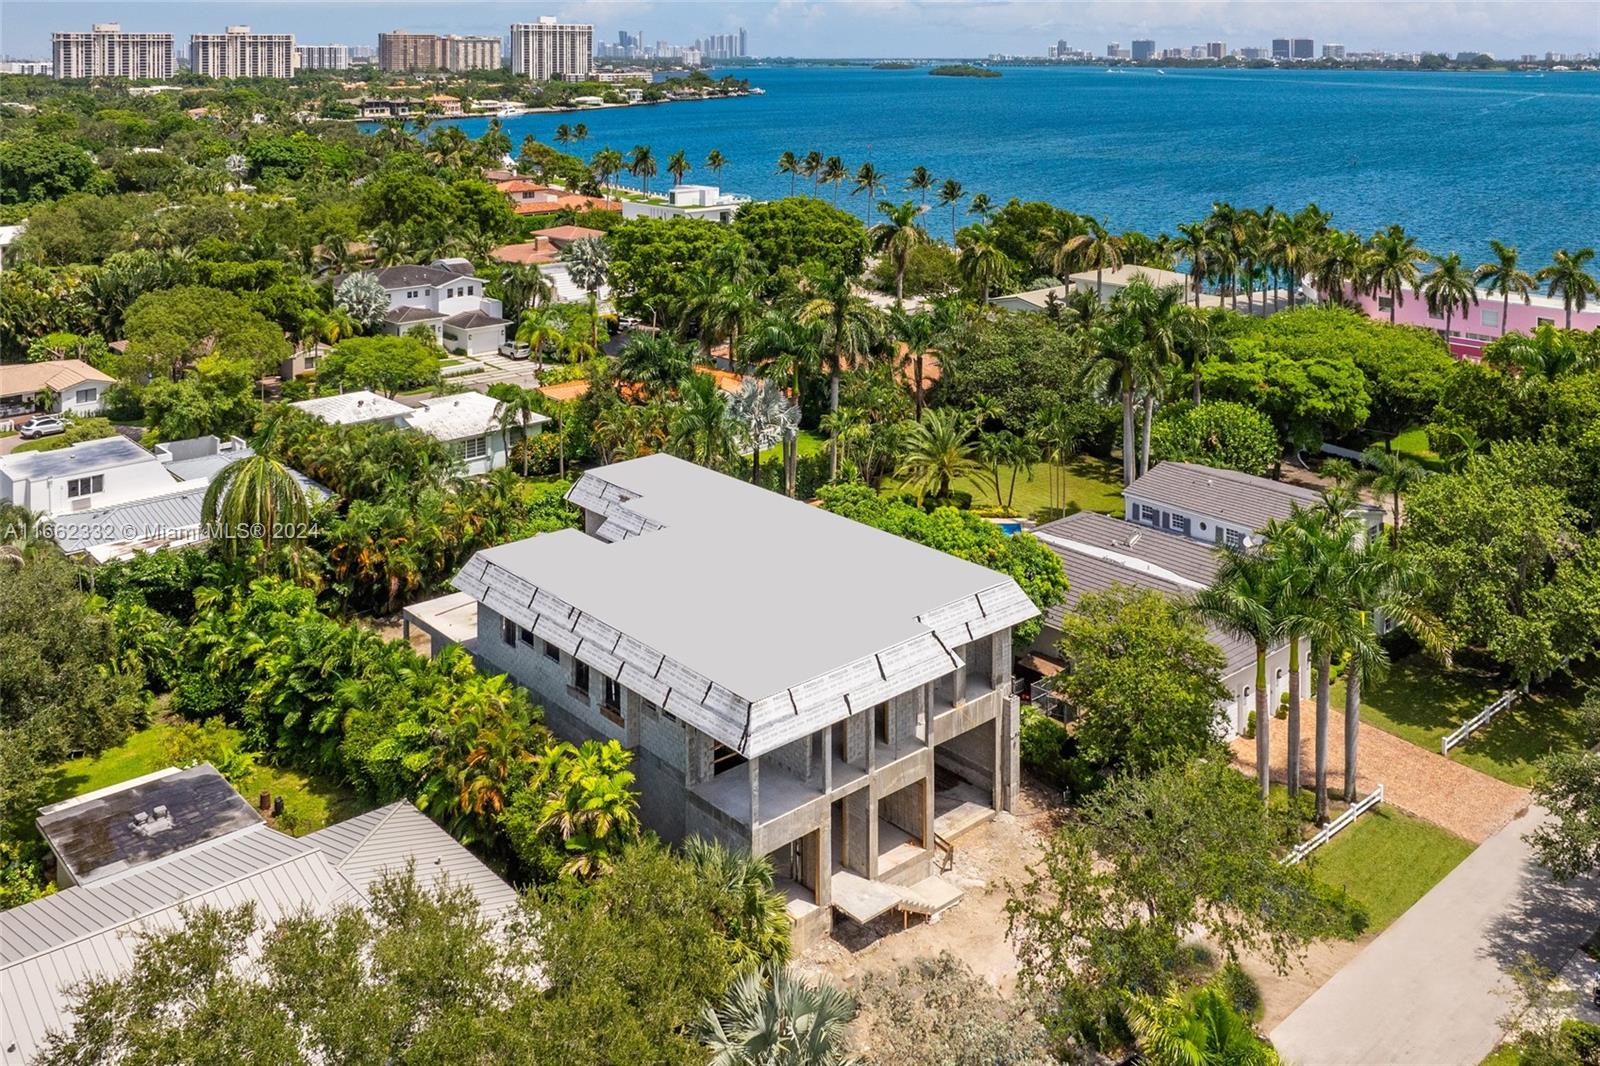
<point>1481,719</point>
<point>1327,831</point>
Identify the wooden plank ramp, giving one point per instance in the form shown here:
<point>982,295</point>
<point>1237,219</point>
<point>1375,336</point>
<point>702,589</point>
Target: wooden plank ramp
<point>862,900</point>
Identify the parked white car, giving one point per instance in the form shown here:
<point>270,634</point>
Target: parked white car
<point>43,426</point>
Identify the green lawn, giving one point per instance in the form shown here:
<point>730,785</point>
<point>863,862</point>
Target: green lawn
<point>1420,701</point>
<point>310,802</point>
<point>1388,860</point>
<point>1090,484</point>
<point>810,444</point>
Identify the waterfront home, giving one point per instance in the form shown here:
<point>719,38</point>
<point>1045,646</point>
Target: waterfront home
<point>1107,283</point>
<point>844,726</point>
<point>544,246</point>
<point>536,198</point>
<point>376,109</point>
<point>687,201</point>
<point>1487,320</point>
<point>71,386</point>
<point>134,857</point>
<point>447,298</point>
<point>1099,552</point>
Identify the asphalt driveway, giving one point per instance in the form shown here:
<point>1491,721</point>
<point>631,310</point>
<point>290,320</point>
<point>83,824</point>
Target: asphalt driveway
<point>1431,989</point>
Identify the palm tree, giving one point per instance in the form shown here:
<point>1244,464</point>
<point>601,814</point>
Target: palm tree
<point>981,206</point>
<point>580,133</point>
<point>642,165</point>
<point>1448,288</point>
<point>834,173</point>
<point>701,424</point>
<point>1569,278</point>
<point>1548,353</point>
<point>771,1017</point>
<point>1201,1029</point>
<point>1289,246</point>
<point>1393,265</point>
<point>1502,277</point>
<point>1242,602</point>
<point>870,180</point>
<point>587,800</point>
<point>678,165</point>
<point>715,161</point>
<point>522,286</point>
<point>1340,266</point>
<point>950,194</point>
<point>764,417</point>
<point>518,406</point>
<point>845,324</point>
<point>785,347</point>
<point>588,261</point>
<point>655,361</point>
<point>917,331</point>
<point>733,306</point>
<point>897,236</point>
<point>937,450</point>
<point>920,182</point>
<point>1100,249</point>
<point>982,263</point>
<point>811,167</point>
<point>563,134</point>
<point>1194,245</point>
<point>1156,320</point>
<point>756,919</point>
<point>541,327</point>
<point>789,163</point>
<point>606,164</point>
<point>255,501</point>
<point>1393,474</point>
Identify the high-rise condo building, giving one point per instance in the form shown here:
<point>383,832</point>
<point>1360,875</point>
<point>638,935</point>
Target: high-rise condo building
<point>1143,50</point>
<point>744,43</point>
<point>1302,48</point>
<point>471,53</point>
<point>322,56</point>
<point>1333,51</point>
<point>238,53</point>
<point>107,52</point>
<point>1216,49</point>
<point>1280,48</point>
<point>549,50</point>
<point>399,50</point>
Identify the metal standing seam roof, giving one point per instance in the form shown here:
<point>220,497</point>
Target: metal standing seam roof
<point>687,605</point>
<point>87,930</point>
<point>1240,499</point>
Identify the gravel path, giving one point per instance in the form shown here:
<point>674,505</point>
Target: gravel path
<point>1468,803</point>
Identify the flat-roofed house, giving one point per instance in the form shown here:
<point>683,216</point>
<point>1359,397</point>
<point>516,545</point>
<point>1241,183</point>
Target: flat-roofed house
<point>135,856</point>
<point>1099,553</point>
<point>1220,506</point>
<point>840,729</point>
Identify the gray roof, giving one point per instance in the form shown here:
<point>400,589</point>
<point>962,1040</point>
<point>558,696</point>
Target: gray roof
<point>96,836</point>
<point>1099,553</point>
<point>683,605</point>
<point>1239,499</point>
<point>412,314</point>
<point>84,931</point>
<point>474,319</point>
<point>399,277</point>
<point>76,459</point>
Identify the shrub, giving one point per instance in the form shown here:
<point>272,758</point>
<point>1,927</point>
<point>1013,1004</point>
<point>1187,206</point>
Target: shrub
<point>1220,433</point>
<point>1050,752</point>
<point>1240,990</point>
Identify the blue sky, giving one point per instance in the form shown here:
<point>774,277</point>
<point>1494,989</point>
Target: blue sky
<point>869,27</point>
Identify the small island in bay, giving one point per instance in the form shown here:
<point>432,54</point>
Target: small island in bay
<point>964,70</point>
<point>898,64</point>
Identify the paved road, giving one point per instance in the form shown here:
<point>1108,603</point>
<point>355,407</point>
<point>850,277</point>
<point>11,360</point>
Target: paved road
<point>1430,989</point>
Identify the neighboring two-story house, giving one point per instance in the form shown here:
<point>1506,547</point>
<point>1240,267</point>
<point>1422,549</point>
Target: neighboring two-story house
<point>1219,506</point>
<point>448,299</point>
<point>1099,552</point>
<point>844,725</point>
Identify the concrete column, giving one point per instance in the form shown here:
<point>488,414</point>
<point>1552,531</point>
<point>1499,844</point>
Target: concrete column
<point>927,805</point>
<point>823,889</point>
<point>869,727</point>
<point>632,712</point>
<point>754,766</point>
<point>998,731</point>
<point>861,833</point>
<point>827,759</point>
<point>1008,725</point>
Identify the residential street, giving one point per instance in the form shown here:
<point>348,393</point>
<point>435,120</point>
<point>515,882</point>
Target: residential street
<point>1430,990</point>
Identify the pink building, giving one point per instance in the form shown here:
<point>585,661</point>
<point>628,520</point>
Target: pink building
<point>1481,324</point>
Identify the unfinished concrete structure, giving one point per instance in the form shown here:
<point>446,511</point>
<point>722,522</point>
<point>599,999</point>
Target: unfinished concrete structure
<point>789,681</point>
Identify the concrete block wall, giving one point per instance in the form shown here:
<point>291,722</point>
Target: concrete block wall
<point>860,844</point>
<point>971,755</point>
<point>904,809</point>
<point>550,683</point>
<point>794,757</point>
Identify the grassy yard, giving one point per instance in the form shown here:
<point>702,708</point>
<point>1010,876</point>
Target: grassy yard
<point>1388,860</point>
<point>1420,701</point>
<point>810,443</point>
<point>310,802</point>
<point>1414,442</point>
<point>1091,485</point>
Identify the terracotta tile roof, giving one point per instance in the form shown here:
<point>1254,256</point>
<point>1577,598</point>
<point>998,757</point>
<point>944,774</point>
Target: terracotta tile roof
<point>566,390</point>
<point>566,201</point>
<point>568,233</point>
<point>527,252</point>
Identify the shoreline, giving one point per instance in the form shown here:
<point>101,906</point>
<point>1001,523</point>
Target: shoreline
<point>521,112</point>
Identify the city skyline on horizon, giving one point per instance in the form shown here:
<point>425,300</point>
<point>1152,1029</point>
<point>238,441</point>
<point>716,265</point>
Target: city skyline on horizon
<point>908,29</point>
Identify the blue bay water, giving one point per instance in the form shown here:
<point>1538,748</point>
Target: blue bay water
<point>1455,158</point>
